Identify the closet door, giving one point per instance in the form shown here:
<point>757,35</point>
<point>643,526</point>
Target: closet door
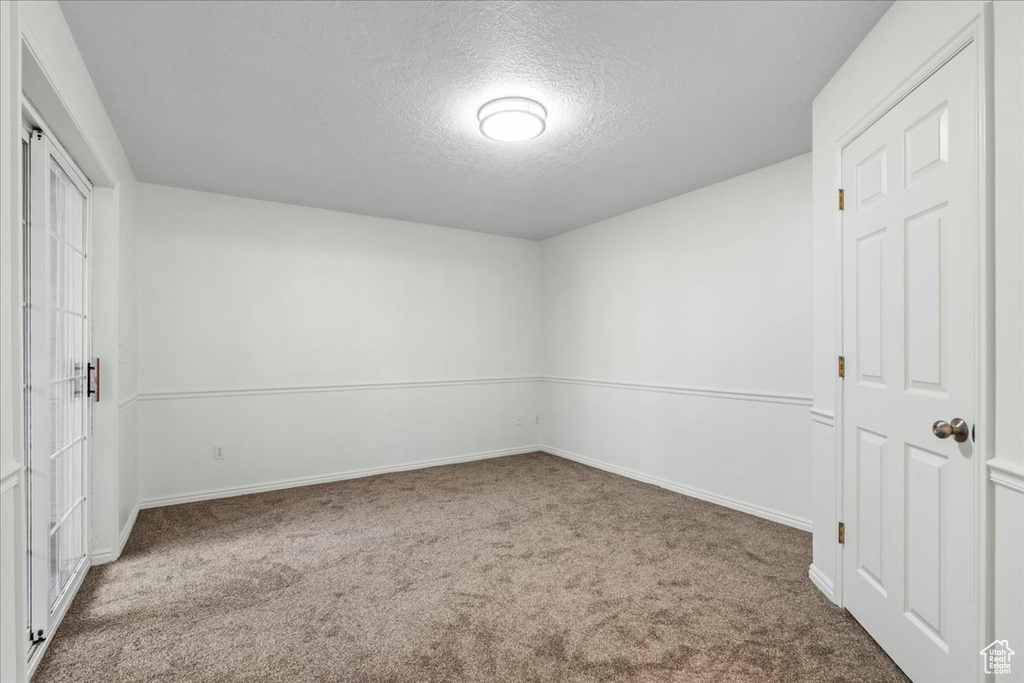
<point>910,236</point>
<point>57,382</point>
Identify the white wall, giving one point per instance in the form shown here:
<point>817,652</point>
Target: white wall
<point>1008,76</point>
<point>280,332</point>
<point>677,340</point>
<point>126,360</point>
<point>12,501</point>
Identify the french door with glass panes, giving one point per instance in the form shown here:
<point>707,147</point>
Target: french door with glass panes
<point>57,379</point>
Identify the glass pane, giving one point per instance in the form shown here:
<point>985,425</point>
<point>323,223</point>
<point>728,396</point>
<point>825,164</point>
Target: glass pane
<point>74,218</point>
<point>54,200</point>
<point>54,568</point>
<point>64,307</point>
<point>77,473</point>
<point>77,282</point>
<point>55,484</point>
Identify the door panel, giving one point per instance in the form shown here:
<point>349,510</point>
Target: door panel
<point>924,301</point>
<point>926,483</point>
<point>57,352</point>
<point>870,458</point>
<point>870,305</point>
<point>909,264</point>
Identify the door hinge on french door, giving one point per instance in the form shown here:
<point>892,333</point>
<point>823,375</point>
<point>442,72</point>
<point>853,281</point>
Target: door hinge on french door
<point>842,199</point>
<point>842,367</point>
<point>842,533</point>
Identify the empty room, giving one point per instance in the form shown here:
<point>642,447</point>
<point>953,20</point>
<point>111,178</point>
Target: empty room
<point>511,341</point>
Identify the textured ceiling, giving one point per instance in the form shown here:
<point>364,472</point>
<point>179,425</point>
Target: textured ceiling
<point>370,107</point>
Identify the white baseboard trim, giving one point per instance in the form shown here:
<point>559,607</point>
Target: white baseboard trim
<point>212,494</point>
<point>102,556</point>
<point>108,555</point>
<point>127,530</point>
<point>724,501</point>
<point>823,583</point>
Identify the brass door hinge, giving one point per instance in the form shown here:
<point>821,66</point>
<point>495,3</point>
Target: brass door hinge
<point>842,366</point>
<point>842,532</point>
<point>842,200</point>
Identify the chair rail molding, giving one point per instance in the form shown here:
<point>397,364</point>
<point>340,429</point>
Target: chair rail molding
<point>328,388</point>
<point>1006,473</point>
<point>10,475</point>
<point>823,417</point>
<point>707,392</point>
<point>128,402</point>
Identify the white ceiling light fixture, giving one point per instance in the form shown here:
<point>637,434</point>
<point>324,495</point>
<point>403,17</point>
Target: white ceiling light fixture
<point>512,119</point>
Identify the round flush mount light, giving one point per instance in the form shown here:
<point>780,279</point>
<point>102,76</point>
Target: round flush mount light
<point>512,119</point>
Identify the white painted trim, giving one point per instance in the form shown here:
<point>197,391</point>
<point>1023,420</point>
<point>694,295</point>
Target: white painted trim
<point>39,80</point>
<point>1007,474</point>
<point>127,402</point>
<point>32,119</point>
<point>102,556</point>
<point>823,583</point>
<point>106,555</point>
<point>126,531</point>
<point>365,386</point>
<point>708,392</point>
<point>328,478</point>
<point>725,501</point>
<point>10,475</point>
<point>824,417</point>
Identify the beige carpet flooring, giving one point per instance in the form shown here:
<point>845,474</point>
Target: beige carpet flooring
<point>526,568</point>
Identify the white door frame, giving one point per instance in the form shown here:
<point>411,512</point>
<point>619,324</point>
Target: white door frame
<point>977,32</point>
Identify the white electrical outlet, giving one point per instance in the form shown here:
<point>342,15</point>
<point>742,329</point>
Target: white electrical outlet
<point>218,452</point>
<point>519,420</point>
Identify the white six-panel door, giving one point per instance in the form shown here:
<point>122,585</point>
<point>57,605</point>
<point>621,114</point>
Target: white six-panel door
<point>910,227</point>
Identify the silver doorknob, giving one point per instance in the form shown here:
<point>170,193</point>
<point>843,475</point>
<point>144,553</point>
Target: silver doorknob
<point>958,429</point>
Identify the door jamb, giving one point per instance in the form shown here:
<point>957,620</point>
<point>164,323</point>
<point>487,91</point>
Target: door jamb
<point>978,31</point>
